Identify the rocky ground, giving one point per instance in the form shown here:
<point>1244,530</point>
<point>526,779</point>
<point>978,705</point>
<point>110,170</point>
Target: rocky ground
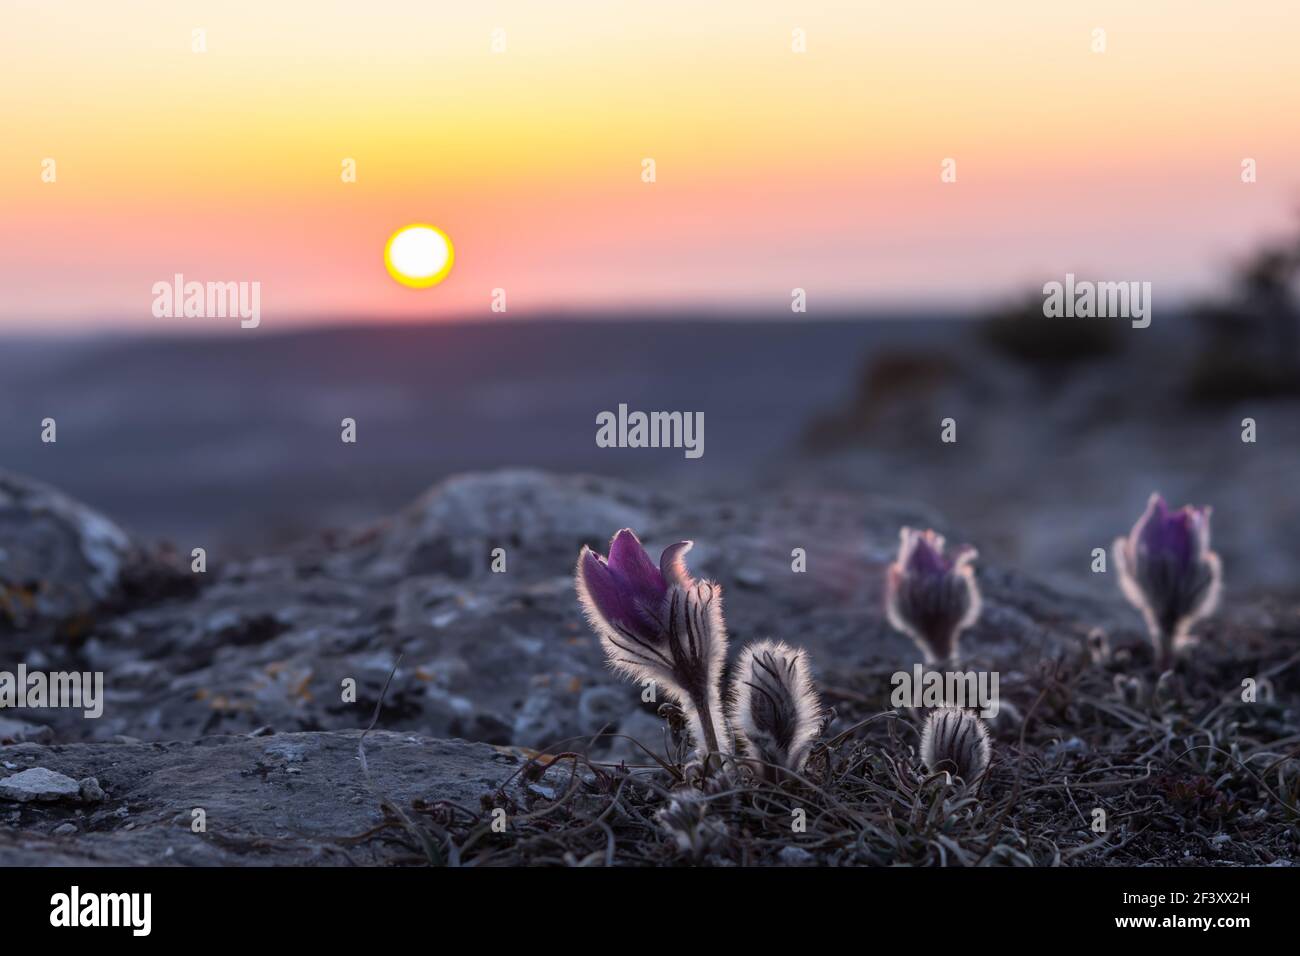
<point>297,798</point>
<point>224,691</point>
<point>500,657</point>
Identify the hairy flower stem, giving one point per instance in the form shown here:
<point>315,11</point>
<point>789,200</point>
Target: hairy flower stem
<point>1164,651</point>
<point>712,758</point>
<point>693,673</point>
<point>710,732</point>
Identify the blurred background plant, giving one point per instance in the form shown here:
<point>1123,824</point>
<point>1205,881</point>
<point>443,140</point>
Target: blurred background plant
<point>1251,346</point>
<point>1019,331</point>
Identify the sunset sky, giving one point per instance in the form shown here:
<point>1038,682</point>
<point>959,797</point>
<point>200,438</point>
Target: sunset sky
<point>774,169</point>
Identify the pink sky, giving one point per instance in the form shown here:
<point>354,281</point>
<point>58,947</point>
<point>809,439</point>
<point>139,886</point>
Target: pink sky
<point>775,169</point>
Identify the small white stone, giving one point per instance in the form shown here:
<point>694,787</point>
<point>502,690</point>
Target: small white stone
<point>38,783</point>
<point>91,791</point>
<point>795,856</point>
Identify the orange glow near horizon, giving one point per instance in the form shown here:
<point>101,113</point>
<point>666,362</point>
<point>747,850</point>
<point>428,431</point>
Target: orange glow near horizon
<point>773,169</point>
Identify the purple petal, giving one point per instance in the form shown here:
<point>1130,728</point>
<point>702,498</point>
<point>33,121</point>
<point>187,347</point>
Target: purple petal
<point>1169,572</point>
<point>626,589</point>
<point>927,557</point>
<point>630,563</point>
<point>929,597</point>
<point>672,564</point>
<point>1168,536</point>
<point>602,587</point>
<point>1201,524</point>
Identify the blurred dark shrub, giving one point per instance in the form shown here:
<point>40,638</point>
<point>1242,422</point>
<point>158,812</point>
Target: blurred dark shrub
<point>1021,332</point>
<point>1251,339</point>
<point>885,384</point>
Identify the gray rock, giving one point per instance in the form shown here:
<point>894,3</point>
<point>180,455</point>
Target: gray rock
<point>545,719</point>
<point>58,558</point>
<point>256,811</point>
<point>453,528</point>
<point>508,658</point>
<point>604,707</point>
<point>795,856</point>
<point>20,731</point>
<point>39,784</point>
<point>286,751</point>
<point>644,728</point>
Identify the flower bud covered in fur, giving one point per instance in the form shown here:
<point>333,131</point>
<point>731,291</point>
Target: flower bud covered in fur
<point>1168,572</point>
<point>955,740</point>
<point>775,708</point>
<point>930,598</point>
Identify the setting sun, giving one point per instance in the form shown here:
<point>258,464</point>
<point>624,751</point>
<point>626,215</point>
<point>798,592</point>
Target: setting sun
<point>419,255</point>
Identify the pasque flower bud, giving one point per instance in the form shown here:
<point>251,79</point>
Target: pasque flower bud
<point>928,597</point>
<point>955,740</point>
<point>1168,572</point>
<point>775,708</point>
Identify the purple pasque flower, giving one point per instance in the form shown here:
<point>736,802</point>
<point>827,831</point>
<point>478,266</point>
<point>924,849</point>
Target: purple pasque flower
<point>930,598</point>
<point>657,623</point>
<point>1168,572</point>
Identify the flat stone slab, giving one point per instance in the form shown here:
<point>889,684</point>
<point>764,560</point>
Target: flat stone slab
<point>297,799</point>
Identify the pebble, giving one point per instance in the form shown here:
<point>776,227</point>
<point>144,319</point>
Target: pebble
<point>91,791</point>
<point>1059,748</point>
<point>39,784</point>
<point>795,856</point>
<point>287,751</point>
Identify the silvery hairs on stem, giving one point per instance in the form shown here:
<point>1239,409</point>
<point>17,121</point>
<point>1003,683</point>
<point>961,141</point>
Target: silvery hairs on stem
<point>1168,572</point>
<point>955,740</point>
<point>660,624</point>
<point>775,708</point>
<point>930,598</point>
